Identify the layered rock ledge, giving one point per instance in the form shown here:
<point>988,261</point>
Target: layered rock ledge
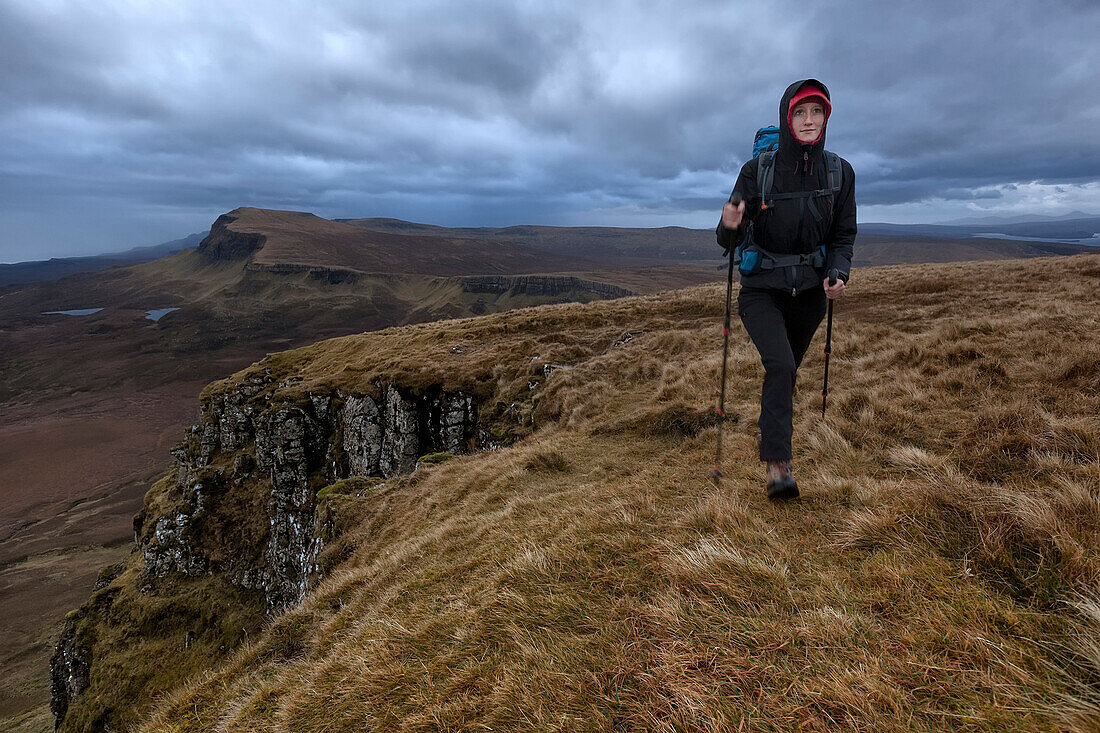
<point>243,505</point>
<point>289,452</point>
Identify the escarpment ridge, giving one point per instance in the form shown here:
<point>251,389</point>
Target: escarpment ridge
<point>585,569</point>
<point>262,282</point>
<point>270,238</point>
<point>264,488</point>
<point>260,492</point>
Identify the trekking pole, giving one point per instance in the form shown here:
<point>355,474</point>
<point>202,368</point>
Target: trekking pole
<point>716,472</point>
<point>833,275</point>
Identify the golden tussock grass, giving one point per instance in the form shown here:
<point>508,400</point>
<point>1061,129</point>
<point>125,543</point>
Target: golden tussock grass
<point>940,571</point>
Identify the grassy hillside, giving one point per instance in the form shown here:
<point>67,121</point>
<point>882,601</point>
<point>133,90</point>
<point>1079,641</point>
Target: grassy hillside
<point>226,310</point>
<point>90,405</point>
<point>133,392</point>
<point>939,573</point>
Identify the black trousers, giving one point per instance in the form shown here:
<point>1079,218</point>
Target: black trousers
<point>781,326</point>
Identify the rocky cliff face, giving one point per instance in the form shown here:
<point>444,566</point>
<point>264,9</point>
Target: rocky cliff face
<point>222,243</point>
<point>244,503</point>
<point>327,275</point>
<point>69,670</point>
<point>288,452</point>
<point>70,666</point>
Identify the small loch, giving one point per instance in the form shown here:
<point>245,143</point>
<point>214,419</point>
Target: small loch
<point>156,315</point>
<point>75,312</point>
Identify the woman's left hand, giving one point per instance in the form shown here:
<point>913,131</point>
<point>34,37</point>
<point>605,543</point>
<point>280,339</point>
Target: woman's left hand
<point>833,291</point>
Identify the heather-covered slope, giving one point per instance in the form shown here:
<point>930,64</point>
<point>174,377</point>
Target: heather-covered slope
<point>940,571</point>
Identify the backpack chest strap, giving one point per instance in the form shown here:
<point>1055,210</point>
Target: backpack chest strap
<point>765,172</point>
<point>800,194</point>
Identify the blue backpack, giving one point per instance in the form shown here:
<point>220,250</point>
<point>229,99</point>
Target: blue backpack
<point>767,138</point>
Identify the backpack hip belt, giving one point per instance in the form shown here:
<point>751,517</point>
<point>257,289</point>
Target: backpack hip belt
<point>751,259</point>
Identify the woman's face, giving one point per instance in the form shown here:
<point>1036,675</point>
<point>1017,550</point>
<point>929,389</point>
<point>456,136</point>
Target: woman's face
<point>807,121</point>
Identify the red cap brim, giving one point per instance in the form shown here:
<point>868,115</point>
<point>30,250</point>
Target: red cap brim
<point>807,91</point>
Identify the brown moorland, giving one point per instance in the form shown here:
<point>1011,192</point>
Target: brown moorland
<point>939,573</point>
<point>90,404</point>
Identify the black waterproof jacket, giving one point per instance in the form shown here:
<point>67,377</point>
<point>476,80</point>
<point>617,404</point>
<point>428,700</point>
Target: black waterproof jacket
<point>787,226</point>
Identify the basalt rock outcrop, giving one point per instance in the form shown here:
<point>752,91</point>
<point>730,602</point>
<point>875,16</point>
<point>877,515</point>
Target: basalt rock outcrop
<point>69,670</point>
<point>327,275</point>
<point>249,453</point>
<point>242,505</point>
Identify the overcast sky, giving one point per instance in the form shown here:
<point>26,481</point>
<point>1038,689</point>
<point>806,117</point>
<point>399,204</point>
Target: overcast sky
<point>139,121</point>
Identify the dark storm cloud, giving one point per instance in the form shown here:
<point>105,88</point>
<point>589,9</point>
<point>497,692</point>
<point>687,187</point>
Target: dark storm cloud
<point>968,94</point>
<point>116,116</point>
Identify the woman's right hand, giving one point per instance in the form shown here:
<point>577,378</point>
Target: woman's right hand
<point>732,215</point>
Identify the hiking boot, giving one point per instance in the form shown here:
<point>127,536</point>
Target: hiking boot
<point>781,484</point>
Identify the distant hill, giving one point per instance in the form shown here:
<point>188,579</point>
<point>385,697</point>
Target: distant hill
<point>59,267</point>
<point>876,244</point>
<point>900,249</point>
<point>263,279</point>
<point>1055,230</point>
<point>1017,219</point>
<point>601,243</point>
<point>299,239</point>
<point>273,239</point>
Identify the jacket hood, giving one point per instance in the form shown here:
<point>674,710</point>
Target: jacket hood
<point>789,146</point>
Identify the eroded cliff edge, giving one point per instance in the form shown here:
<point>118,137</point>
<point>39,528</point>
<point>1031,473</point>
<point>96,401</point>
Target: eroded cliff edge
<point>276,457</point>
<point>225,243</point>
<point>243,527</point>
<point>287,457</point>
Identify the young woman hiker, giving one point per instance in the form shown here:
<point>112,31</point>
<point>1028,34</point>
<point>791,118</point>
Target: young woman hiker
<point>802,227</point>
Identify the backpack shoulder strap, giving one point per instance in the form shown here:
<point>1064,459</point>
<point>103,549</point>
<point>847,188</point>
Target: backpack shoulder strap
<point>835,170</point>
<point>765,172</point>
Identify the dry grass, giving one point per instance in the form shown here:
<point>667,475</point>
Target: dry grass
<point>939,573</point>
